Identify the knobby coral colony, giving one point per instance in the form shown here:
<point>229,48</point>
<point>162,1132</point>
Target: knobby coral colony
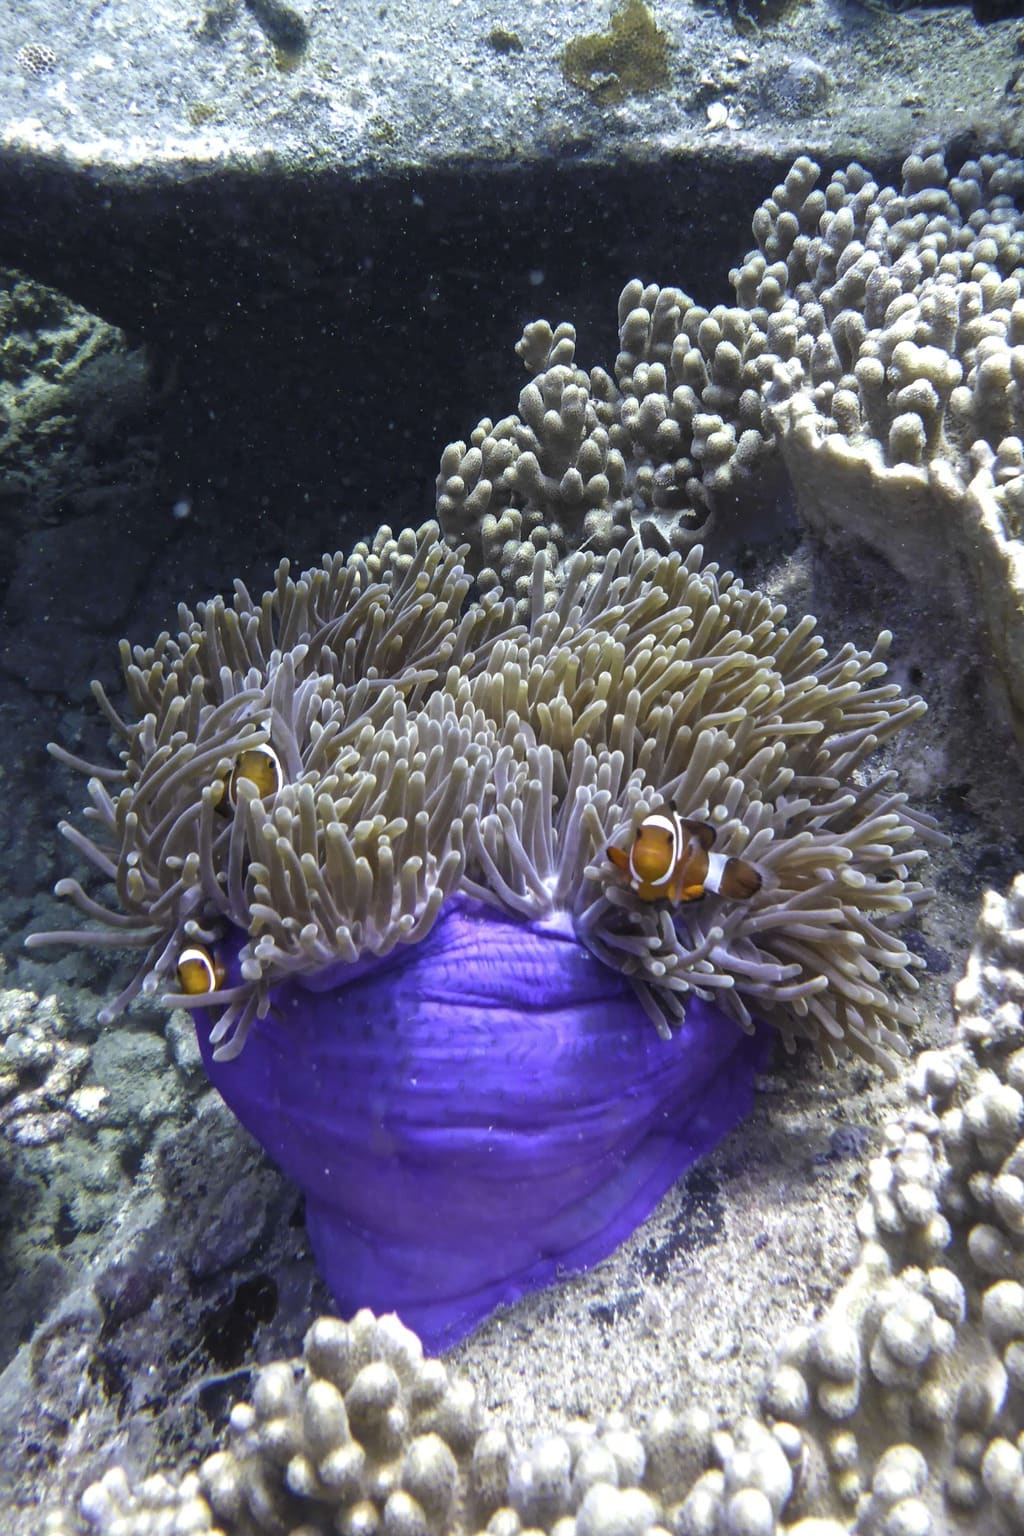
<point>396,841</point>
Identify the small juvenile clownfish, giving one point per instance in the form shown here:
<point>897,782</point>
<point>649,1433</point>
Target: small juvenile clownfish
<point>673,858</point>
<point>261,767</point>
<point>199,972</point>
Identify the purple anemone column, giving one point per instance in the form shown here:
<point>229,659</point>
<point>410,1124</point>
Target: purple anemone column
<point>476,1114</point>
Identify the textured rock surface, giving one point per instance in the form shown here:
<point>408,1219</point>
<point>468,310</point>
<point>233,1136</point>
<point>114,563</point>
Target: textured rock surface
<point>167,89</point>
<point>79,1111</point>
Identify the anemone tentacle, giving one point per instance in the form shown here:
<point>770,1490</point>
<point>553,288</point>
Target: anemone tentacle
<point>433,743</point>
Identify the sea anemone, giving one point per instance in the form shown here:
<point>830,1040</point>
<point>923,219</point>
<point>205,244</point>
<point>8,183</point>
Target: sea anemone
<point>419,885</point>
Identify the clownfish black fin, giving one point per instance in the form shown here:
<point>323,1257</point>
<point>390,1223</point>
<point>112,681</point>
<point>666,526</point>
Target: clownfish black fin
<point>702,831</point>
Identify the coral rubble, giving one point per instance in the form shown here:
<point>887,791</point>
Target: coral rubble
<point>42,1094</point>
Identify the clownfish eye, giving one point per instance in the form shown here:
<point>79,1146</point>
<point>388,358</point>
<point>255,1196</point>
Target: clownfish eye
<point>198,971</point>
<point>259,766</point>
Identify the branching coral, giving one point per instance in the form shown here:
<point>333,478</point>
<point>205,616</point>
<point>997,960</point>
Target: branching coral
<point>432,744</point>
<point>920,1351</point>
<point>876,347</point>
<point>363,1434</point>
<point>593,459</point>
<point>902,314</point>
<point>899,409</point>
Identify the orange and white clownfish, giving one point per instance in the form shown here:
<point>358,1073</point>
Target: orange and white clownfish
<point>199,971</point>
<point>674,858</point>
<point>260,766</point>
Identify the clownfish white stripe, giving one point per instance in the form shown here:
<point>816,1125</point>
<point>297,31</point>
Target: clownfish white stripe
<point>672,826</point>
<point>661,823</point>
<point>716,869</point>
<point>200,959</point>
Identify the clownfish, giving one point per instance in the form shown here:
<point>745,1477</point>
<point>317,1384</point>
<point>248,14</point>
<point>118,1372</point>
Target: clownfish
<point>673,858</point>
<point>199,972</point>
<point>261,767</point>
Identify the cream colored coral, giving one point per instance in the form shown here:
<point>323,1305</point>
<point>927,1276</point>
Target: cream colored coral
<point>901,426</point>
<point>926,1340</point>
<point>593,459</point>
<point>876,345</point>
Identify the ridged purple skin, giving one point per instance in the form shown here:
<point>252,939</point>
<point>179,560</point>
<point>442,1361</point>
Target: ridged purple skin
<point>478,1114</point>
